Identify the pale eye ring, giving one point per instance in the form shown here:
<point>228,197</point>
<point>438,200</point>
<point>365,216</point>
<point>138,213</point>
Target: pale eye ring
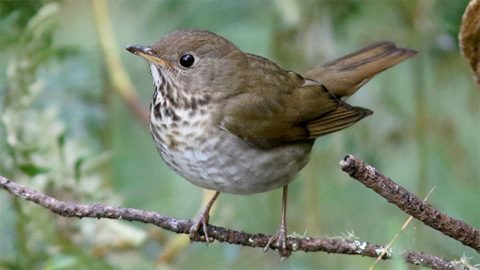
<point>186,60</point>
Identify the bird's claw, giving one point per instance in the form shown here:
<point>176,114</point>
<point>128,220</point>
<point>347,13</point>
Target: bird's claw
<point>200,222</point>
<point>280,240</point>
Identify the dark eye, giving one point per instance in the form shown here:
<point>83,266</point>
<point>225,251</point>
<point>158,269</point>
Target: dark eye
<point>187,60</point>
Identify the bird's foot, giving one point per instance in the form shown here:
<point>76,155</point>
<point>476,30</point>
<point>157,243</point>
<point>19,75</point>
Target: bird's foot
<point>200,223</point>
<point>280,242</point>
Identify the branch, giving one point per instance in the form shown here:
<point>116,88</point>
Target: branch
<point>72,209</point>
<point>411,204</point>
<point>306,244</point>
<point>433,262</point>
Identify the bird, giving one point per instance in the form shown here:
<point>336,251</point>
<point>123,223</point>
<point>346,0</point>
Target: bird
<point>238,123</point>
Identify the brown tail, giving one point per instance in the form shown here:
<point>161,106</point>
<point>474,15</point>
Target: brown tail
<point>345,75</point>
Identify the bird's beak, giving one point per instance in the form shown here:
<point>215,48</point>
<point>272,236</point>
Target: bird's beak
<point>147,53</point>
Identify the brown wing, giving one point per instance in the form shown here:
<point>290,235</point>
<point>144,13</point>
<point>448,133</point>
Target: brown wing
<point>342,117</point>
<point>284,109</point>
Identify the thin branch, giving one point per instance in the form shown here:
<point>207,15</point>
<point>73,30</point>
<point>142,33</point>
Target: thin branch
<point>306,244</point>
<point>411,204</point>
<point>397,235</point>
<point>433,262</point>
<point>72,209</point>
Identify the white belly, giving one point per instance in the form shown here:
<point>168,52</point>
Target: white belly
<point>228,164</point>
<point>218,160</point>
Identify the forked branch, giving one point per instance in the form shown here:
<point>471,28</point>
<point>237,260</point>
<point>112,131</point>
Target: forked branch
<point>355,167</point>
<point>411,204</point>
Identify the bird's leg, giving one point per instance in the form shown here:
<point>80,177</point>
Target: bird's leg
<point>280,237</point>
<point>202,220</point>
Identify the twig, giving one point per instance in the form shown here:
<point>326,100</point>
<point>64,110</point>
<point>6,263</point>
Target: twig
<point>433,262</point>
<point>411,204</point>
<point>306,244</point>
<point>73,209</point>
<point>395,237</point>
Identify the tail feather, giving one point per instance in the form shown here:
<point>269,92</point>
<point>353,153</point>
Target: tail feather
<point>345,75</point>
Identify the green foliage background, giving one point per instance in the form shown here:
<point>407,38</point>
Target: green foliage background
<point>64,131</point>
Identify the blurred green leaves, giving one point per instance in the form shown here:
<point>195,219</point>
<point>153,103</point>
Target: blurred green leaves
<point>15,16</point>
<point>38,150</point>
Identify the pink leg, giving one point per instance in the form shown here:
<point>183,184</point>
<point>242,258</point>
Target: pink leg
<point>202,220</point>
<point>280,237</point>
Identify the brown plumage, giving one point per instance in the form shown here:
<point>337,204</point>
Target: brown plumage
<point>294,107</point>
<point>238,123</point>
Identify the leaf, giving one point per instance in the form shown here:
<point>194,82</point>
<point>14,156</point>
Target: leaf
<point>32,170</point>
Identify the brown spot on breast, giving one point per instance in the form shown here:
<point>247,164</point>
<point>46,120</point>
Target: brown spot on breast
<point>170,99</point>
<point>154,132</point>
<point>168,112</point>
<point>193,103</point>
<point>156,111</point>
<point>175,117</point>
<point>172,142</point>
<point>204,100</point>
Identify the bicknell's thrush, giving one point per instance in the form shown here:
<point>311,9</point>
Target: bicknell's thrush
<point>236,122</point>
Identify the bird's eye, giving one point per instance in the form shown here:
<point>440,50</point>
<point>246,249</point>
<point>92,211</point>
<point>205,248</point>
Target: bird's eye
<point>187,60</point>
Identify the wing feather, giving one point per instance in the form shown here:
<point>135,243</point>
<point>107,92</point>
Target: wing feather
<point>304,114</point>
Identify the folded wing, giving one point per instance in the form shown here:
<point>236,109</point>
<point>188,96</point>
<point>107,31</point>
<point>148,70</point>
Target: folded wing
<point>297,110</point>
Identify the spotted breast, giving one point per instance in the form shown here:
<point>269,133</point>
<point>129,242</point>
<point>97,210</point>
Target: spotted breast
<point>209,156</point>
